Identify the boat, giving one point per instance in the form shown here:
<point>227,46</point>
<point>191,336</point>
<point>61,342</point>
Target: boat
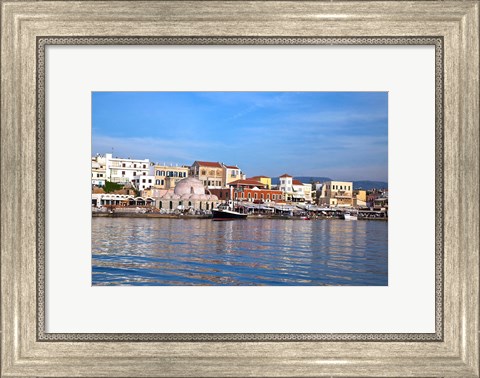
<point>227,211</point>
<point>350,216</point>
<point>226,214</point>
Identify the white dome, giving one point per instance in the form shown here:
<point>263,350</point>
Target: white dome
<point>189,185</point>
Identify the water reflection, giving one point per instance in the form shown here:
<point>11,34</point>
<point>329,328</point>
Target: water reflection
<point>252,252</point>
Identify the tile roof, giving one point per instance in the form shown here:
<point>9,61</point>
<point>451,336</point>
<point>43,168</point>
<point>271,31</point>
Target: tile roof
<point>232,166</point>
<point>257,177</point>
<point>247,182</point>
<point>297,182</point>
<point>285,175</point>
<point>208,164</point>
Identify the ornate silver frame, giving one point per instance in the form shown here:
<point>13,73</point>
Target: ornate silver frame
<point>452,26</point>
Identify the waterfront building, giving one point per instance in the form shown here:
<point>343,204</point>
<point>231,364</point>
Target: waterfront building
<point>98,170</point>
<point>189,193</point>
<point>380,203</point>
<point>209,173</point>
<point>336,194</point>
<point>264,180</point>
<point>286,186</point>
<point>231,173</point>
<point>142,182</point>
<point>297,189</point>
<point>249,190</point>
<point>122,171</point>
<point>119,200</point>
<point>360,198</point>
<point>307,191</point>
<point>166,177</point>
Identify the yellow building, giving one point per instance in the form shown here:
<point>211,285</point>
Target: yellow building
<point>360,198</point>
<point>231,173</point>
<point>336,194</point>
<point>267,181</point>
<point>211,174</point>
<point>167,176</point>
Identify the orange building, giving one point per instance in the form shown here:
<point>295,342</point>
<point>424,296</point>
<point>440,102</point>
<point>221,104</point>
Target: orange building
<point>249,190</point>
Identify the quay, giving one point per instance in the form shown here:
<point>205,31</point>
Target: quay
<point>362,215</point>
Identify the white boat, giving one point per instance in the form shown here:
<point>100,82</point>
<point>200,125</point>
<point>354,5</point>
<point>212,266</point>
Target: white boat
<point>350,216</point>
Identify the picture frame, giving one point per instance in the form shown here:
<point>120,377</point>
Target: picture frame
<point>27,351</point>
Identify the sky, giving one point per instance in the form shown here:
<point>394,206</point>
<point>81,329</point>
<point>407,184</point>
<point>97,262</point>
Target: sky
<point>341,135</point>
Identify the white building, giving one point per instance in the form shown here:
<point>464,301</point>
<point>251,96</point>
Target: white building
<point>307,191</point>
<point>122,171</point>
<point>98,170</point>
<point>286,186</point>
<point>142,182</point>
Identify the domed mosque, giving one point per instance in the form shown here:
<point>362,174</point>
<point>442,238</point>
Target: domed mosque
<point>189,193</point>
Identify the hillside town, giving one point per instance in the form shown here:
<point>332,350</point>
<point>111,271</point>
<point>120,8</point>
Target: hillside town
<point>140,186</point>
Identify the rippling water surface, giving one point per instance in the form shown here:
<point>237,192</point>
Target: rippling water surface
<point>248,252</point>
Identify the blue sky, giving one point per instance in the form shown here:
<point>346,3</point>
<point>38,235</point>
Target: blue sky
<point>341,135</point>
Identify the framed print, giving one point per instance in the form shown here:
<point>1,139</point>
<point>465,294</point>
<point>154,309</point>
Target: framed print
<point>103,274</point>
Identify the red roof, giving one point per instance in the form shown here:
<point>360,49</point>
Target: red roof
<point>247,182</point>
<point>257,177</point>
<point>232,167</point>
<point>209,164</point>
<point>297,182</point>
<point>285,175</point>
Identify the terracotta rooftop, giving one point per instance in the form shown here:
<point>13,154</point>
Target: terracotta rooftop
<point>209,164</point>
<point>285,175</point>
<point>247,182</point>
<point>232,167</point>
<point>297,182</point>
<point>257,177</point>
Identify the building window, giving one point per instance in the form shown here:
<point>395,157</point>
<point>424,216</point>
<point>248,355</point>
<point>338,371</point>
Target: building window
<point>134,165</point>
<point>157,182</point>
<point>261,196</point>
<point>144,173</point>
<point>249,195</point>
<point>162,182</point>
<point>149,181</point>
<point>134,173</point>
<point>144,166</point>
<point>171,205</point>
<point>144,181</point>
<point>123,173</point>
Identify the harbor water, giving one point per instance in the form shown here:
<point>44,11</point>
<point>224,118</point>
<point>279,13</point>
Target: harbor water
<point>180,252</point>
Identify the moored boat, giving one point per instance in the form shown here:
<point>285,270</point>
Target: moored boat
<point>350,216</point>
<point>226,214</point>
<point>227,211</point>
